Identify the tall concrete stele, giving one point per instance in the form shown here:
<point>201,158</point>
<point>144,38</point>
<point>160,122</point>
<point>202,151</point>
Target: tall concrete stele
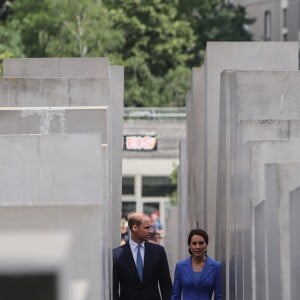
<point>261,160</point>
<point>61,154</point>
<point>242,115</point>
<point>234,56</point>
<point>35,265</point>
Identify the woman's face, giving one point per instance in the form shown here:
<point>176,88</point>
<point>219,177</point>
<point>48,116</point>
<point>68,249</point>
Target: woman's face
<point>198,246</point>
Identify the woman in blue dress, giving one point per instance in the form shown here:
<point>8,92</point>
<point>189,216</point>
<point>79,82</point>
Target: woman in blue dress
<point>199,276</point>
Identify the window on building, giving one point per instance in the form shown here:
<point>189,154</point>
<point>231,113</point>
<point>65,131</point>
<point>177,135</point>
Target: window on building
<point>267,26</point>
<point>127,185</point>
<point>150,207</point>
<point>153,186</point>
<point>127,208</point>
<point>284,12</point>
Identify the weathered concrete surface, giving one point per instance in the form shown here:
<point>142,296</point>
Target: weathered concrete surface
<point>255,106</point>
<point>234,56</point>
<point>35,264</point>
<point>82,221</point>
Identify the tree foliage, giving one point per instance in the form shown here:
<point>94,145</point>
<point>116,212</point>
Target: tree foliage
<point>157,48</point>
<point>173,197</point>
<point>158,41</point>
<point>10,39</point>
<point>56,28</point>
<point>214,20</point>
<point>5,9</point>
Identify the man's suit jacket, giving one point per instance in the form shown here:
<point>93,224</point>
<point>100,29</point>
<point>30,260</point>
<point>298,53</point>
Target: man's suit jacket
<point>126,282</point>
<point>185,282</point>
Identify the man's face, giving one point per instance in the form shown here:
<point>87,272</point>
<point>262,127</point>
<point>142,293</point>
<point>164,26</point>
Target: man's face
<point>144,230</point>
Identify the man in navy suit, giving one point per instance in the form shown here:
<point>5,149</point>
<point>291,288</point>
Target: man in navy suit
<point>154,280</point>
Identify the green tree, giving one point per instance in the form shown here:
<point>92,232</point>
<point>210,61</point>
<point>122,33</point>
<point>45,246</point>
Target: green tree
<point>10,41</point>
<point>158,41</point>
<point>86,30</point>
<point>5,9</point>
<point>156,50</point>
<point>36,22</point>
<point>174,178</point>
<point>56,28</point>
<point>214,20</point>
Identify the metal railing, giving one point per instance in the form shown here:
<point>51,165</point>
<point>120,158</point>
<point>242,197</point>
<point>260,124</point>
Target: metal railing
<point>154,113</point>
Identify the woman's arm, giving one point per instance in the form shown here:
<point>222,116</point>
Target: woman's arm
<point>177,289</point>
<point>218,284</point>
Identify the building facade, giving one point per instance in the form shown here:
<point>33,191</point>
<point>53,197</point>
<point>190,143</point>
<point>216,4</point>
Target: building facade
<point>146,171</point>
<point>275,20</point>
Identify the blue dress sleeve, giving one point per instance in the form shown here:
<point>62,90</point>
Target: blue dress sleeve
<point>177,288</point>
<point>218,284</point>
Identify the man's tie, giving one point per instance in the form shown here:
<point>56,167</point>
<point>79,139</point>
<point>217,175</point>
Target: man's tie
<point>139,263</point>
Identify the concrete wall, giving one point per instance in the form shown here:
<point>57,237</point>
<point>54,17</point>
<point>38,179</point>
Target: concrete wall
<point>222,117</point>
<point>29,273</point>
<point>280,180</point>
<point>66,117</point>
<point>78,82</point>
<point>82,221</point>
<point>294,241</point>
<point>196,147</point>
<point>262,108</point>
<point>238,56</point>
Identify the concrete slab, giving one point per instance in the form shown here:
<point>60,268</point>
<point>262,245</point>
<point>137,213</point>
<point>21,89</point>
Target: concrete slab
<point>51,169</point>
<point>184,203</point>
<point>196,148</point>
<point>50,157</point>
<point>54,120</point>
<point>97,83</point>
<point>117,107</point>
<point>79,290</point>
<point>35,265</point>
<point>294,210</point>
<point>172,241</point>
<point>56,67</point>
<point>280,180</point>
<point>260,246</point>
<point>54,91</point>
<point>93,82</point>
<point>235,56</point>
<point>86,257</point>
<point>274,116</point>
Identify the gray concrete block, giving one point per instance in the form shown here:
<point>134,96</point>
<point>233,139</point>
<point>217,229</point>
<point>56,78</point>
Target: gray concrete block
<point>39,92</point>
<point>98,83</point>
<point>196,148</point>
<point>260,259</point>
<point>294,211</point>
<point>236,128</point>
<point>117,107</point>
<point>280,179</point>
<point>86,257</point>
<point>54,120</point>
<point>51,169</point>
<point>79,290</point>
<point>56,67</point>
<point>79,82</point>
<point>172,240</point>
<point>235,56</point>
<point>35,265</point>
<point>249,190</point>
<point>184,203</point>
<point>50,158</point>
